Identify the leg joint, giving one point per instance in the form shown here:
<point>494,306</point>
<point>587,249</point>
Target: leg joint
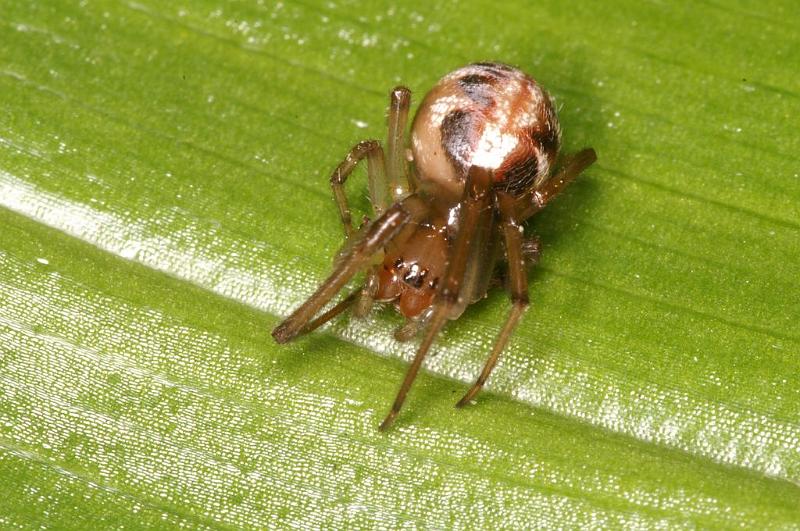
<point>520,299</point>
<point>400,98</point>
<point>339,175</point>
<point>365,147</point>
<point>358,152</point>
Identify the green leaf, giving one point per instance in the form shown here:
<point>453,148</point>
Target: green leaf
<point>163,182</point>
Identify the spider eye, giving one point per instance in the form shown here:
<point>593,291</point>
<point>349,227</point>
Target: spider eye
<point>415,276</point>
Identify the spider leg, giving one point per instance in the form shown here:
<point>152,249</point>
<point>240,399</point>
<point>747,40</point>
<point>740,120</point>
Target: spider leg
<point>374,238</point>
<point>449,295</point>
<point>407,330</point>
<point>396,164</point>
<point>376,176</point>
<point>398,184</point>
<point>531,250</point>
<point>366,295</point>
<point>517,287</point>
<point>480,262</point>
<point>340,306</point>
<point>530,204</point>
<point>520,252</point>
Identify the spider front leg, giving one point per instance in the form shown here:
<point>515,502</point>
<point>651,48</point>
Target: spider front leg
<point>374,239</point>
<point>340,306</point>
<point>449,295</point>
<point>517,287</point>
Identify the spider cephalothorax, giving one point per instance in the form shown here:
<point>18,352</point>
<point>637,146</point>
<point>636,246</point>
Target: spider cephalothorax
<point>482,147</point>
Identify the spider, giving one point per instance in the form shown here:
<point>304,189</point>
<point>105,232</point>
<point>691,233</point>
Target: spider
<point>482,147</point>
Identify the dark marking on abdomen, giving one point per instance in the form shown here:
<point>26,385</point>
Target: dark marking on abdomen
<point>479,88</point>
<point>461,132</point>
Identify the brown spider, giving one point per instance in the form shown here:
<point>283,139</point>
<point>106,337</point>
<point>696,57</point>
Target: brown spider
<point>483,143</point>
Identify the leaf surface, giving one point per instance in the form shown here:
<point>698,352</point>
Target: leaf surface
<point>163,182</point>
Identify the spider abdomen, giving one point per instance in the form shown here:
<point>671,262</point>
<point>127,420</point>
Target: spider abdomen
<point>490,115</point>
